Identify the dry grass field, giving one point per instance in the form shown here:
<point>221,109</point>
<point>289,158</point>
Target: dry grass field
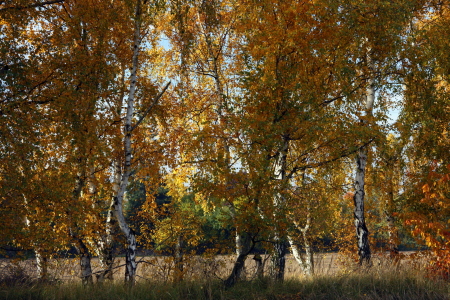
<point>159,268</point>
<point>336,278</point>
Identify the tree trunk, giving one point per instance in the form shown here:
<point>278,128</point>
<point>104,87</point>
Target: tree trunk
<point>392,229</point>
<point>279,259</point>
<point>179,264</point>
<point>259,273</point>
<point>41,264</point>
<point>40,254</point>
<point>306,261</point>
<point>85,263</point>
<point>106,258</point>
<point>393,236</point>
<point>309,255</point>
<point>236,272</point>
<point>362,234</point>
<point>80,246</point>
<point>243,248</point>
<point>280,239</point>
<point>106,251</point>
<point>105,248</point>
<point>130,268</point>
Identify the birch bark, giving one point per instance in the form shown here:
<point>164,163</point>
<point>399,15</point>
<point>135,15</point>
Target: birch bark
<point>80,246</point>
<point>362,233</point>
<point>280,239</point>
<point>306,261</point>
<point>105,249</point>
<point>41,264</point>
<point>130,257</point>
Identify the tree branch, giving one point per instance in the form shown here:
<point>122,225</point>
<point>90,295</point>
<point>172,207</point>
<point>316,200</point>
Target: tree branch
<point>151,106</point>
<point>42,4</point>
<point>321,163</point>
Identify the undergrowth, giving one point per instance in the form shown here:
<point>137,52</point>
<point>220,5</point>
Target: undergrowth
<point>371,284</point>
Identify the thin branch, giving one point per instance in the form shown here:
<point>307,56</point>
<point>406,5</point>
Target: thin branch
<point>142,277</point>
<point>198,161</point>
<point>42,4</point>
<point>310,166</point>
<point>151,106</point>
<point>113,268</point>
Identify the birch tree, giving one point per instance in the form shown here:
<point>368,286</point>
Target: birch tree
<point>362,234</point>
<point>141,11</point>
<point>292,100</point>
<point>379,50</point>
<point>206,43</point>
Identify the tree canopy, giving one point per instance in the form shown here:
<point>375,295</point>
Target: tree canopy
<point>172,125</point>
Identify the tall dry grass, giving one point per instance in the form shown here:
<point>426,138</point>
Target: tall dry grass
<point>337,278</point>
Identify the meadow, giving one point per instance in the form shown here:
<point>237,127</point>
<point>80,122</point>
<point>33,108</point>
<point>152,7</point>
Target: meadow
<point>336,278</point>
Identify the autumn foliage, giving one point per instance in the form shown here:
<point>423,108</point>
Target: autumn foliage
<point>189,127</point>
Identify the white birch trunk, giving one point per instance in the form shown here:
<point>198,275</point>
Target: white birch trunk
<point>362,234</point>
<point>309,258</point>
<point>280,239</point>
<point>105,249</point>
<point>130,265</point>
<point>41,264</point>
<point>306,261</point>
<point>296,254</point>
<point>101,245</point>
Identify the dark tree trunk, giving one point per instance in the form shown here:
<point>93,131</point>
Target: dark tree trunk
<point>243,248</point>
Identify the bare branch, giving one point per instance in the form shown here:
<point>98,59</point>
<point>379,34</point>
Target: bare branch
<point>41,4</point>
